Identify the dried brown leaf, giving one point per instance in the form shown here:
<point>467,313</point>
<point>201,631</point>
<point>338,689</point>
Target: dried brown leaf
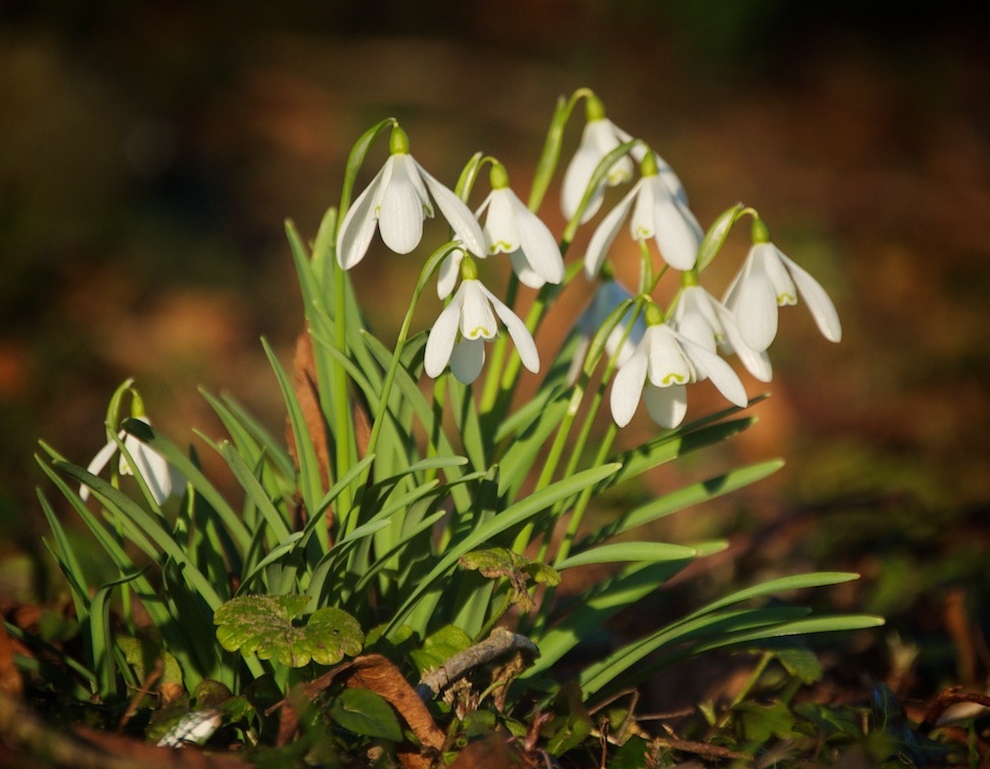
<point>308,395</point>
<point>10,679</point>
<point>380,675</point>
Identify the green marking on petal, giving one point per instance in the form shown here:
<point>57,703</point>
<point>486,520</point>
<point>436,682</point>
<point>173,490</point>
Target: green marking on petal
<point>501,245</point>
<point>480,332</point>
<point>617,175</point>
<point>674,378</point>
<point>785,299</point>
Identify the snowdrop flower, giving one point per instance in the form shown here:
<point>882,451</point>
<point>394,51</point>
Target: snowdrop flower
<point>768,280</point>
<point>707,322</point>
<point>162,478</point>
<point>397,202</point>
<point>600,137</point>
<point>656,213</point>
<point>510,228</point>
<point>610,294</point>
<point>658,370</point>
<point>459,334</point>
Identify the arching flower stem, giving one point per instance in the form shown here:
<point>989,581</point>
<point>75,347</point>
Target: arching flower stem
<point>546,166</point>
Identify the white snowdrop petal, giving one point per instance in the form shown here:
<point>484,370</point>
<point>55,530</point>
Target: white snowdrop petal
<point>670,180</point>
<point>448,273</point>
<point>538,244</point>
<point>677,233</point>
<point>605,137</point>
<point>521,337</point>
<point>97,463</point>
<point>667,405</point>
<point>667,363</point>
<point>643,223</point>
<point>194,728</point>
<point>524,270</point>
<point>400,218</point>
<point>358,227</point>
<point>467,360</point>
<point>440,342</point>
<point>458,216</point>
<point>818,301</point>
<point>754,302</point>
<point>605,233</point>
<point>576,180</point>
<point>153,468</point>
<point>768,255</point>
<point>693,325</point>
<point>597,140</point>
<point>501,236</point>
<point>477,318</point>
<point>709,365</point>
<point>628,345</point>
<point>627,387</point>
<point>757,363</point>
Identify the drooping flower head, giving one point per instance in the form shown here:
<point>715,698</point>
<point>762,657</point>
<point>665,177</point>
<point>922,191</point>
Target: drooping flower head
<point>510,228</point>
<point>600,137</point>
<point>656,213</point>
<point>458,336</point>
<point>704,320</point>
<point>663,363</point>
<point>396,202</point>
<point>768,280</point>
<point>161,478</point>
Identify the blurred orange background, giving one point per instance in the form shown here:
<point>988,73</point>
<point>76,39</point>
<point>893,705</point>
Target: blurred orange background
<point>150,152</point>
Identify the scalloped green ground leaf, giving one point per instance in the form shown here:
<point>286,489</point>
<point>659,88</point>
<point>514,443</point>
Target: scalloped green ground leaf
<point>263,625</point>
<point>497,562</point>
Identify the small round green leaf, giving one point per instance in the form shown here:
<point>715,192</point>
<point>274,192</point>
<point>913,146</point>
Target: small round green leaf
<point>264,625</point>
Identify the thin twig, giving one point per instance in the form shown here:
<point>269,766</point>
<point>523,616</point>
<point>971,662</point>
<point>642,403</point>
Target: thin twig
<point>500,641</point>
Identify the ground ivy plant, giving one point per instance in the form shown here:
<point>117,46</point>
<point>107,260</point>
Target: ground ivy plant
<point>390,580</point>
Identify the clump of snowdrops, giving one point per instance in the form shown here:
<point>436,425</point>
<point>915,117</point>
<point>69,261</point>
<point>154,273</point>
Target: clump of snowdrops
<point>390,578</point>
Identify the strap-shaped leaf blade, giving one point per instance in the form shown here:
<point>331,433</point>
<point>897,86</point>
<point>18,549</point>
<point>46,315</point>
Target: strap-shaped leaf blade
<point>515,514</point>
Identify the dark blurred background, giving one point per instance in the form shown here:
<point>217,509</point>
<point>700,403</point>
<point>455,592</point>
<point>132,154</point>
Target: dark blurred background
<point>150,152</point>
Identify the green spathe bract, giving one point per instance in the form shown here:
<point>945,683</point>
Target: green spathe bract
<point>401,515</point>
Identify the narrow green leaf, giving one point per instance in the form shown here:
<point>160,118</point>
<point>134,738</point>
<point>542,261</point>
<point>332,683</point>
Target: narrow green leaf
<point>178,459</point>
<point>254,490</point>
<point>649,552</point>
<point>66,559</point>
<point>122,505</point>
<point>101,638</point>
<point>310,481</point>
<point>671,446</point>
<point>355,159</point>
<point>519,459</point>
<point>681,499</point>
<point>592,610</point>
<point>779,585</point>
<point>515,514</point>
